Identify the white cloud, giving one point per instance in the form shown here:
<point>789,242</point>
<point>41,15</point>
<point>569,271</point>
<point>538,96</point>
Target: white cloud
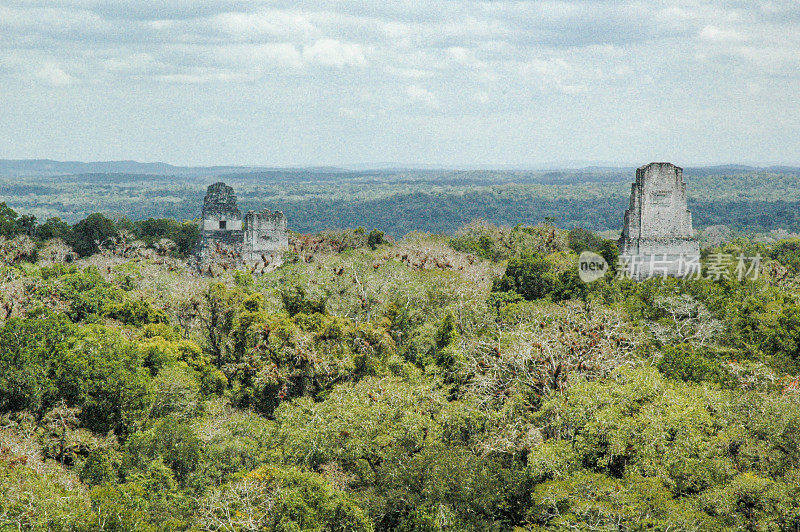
<point>353,114</point>
<point>462,56</point>
<point>720,35</point>
<point>409,73</point>
<point>133,63</point>
<point>53,75</point>
<point>259,56</point>
<point>481,97</point>
<point>199,76</point>
<point>421,95</point>
<point>330,52</point>
<point>547,64</point>
<point>212,121</point>
<point>268,23</point>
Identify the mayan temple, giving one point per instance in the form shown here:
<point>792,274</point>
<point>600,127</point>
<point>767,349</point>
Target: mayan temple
<point>657,238</point>
<point>256,241</point>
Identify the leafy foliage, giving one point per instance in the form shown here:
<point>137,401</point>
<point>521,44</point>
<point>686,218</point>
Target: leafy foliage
<point>272,498</point>
<point>90,233</point>
<point>532,276</point>
<point>430,383</point>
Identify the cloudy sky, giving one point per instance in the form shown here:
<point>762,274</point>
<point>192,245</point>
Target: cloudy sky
<point>454,83</point>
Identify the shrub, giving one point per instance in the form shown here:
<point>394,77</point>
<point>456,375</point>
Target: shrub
<point>685,363</point>
<point>375,238</point>
<point>91,233</point>
<point>285,499</point>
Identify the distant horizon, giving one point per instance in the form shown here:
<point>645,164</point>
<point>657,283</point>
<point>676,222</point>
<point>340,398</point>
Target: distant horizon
<point>389,166</point>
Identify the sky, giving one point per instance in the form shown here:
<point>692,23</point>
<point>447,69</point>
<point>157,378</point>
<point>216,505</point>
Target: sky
<point>432,82</point>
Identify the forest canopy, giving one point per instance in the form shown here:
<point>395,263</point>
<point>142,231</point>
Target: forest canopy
<point>435,382</point>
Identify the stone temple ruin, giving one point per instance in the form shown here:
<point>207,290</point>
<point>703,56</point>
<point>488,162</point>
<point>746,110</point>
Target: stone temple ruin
<point>227,240</point>
<point>657,238</point>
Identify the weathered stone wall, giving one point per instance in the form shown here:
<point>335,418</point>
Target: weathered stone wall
<point>214,222</point>
<point>266,237</point>
<point>657,236</point>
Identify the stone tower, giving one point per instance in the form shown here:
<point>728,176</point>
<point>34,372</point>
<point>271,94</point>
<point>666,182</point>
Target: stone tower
<point>222,225</point>
<point>220,212</point>
<point>657,236</point>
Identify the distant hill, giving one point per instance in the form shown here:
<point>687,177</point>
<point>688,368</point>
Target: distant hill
<point>47,167</point>
<point>736,169</point>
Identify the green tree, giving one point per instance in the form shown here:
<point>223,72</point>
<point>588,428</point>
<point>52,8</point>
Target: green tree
<point>375,238</point>
<point>403,458</point>
<point>91,233</point>
<point>184,234</point>
<point>54,228</point>
<point>103,372</point>
<point>283,500</point>
<point>99,468</point>
<point>88,295</point>
<point>296,298</point>
<point>169,439</point>
<point>787,252</point>
<point>9,221</point>
<point>529,274</point>
<point>30,500</point>
<point>689,364</point>
<point>581,240</point>
<point>31,351</point>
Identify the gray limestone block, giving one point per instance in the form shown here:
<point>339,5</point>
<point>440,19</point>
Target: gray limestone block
<point>658,225</point>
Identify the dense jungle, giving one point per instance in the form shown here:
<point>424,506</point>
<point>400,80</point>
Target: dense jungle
<point>459,381</point>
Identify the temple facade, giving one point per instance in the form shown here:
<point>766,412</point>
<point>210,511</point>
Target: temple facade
<point>657,236</point>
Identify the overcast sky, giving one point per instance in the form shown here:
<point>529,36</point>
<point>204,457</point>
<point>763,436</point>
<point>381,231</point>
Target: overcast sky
<point>437,82</point>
